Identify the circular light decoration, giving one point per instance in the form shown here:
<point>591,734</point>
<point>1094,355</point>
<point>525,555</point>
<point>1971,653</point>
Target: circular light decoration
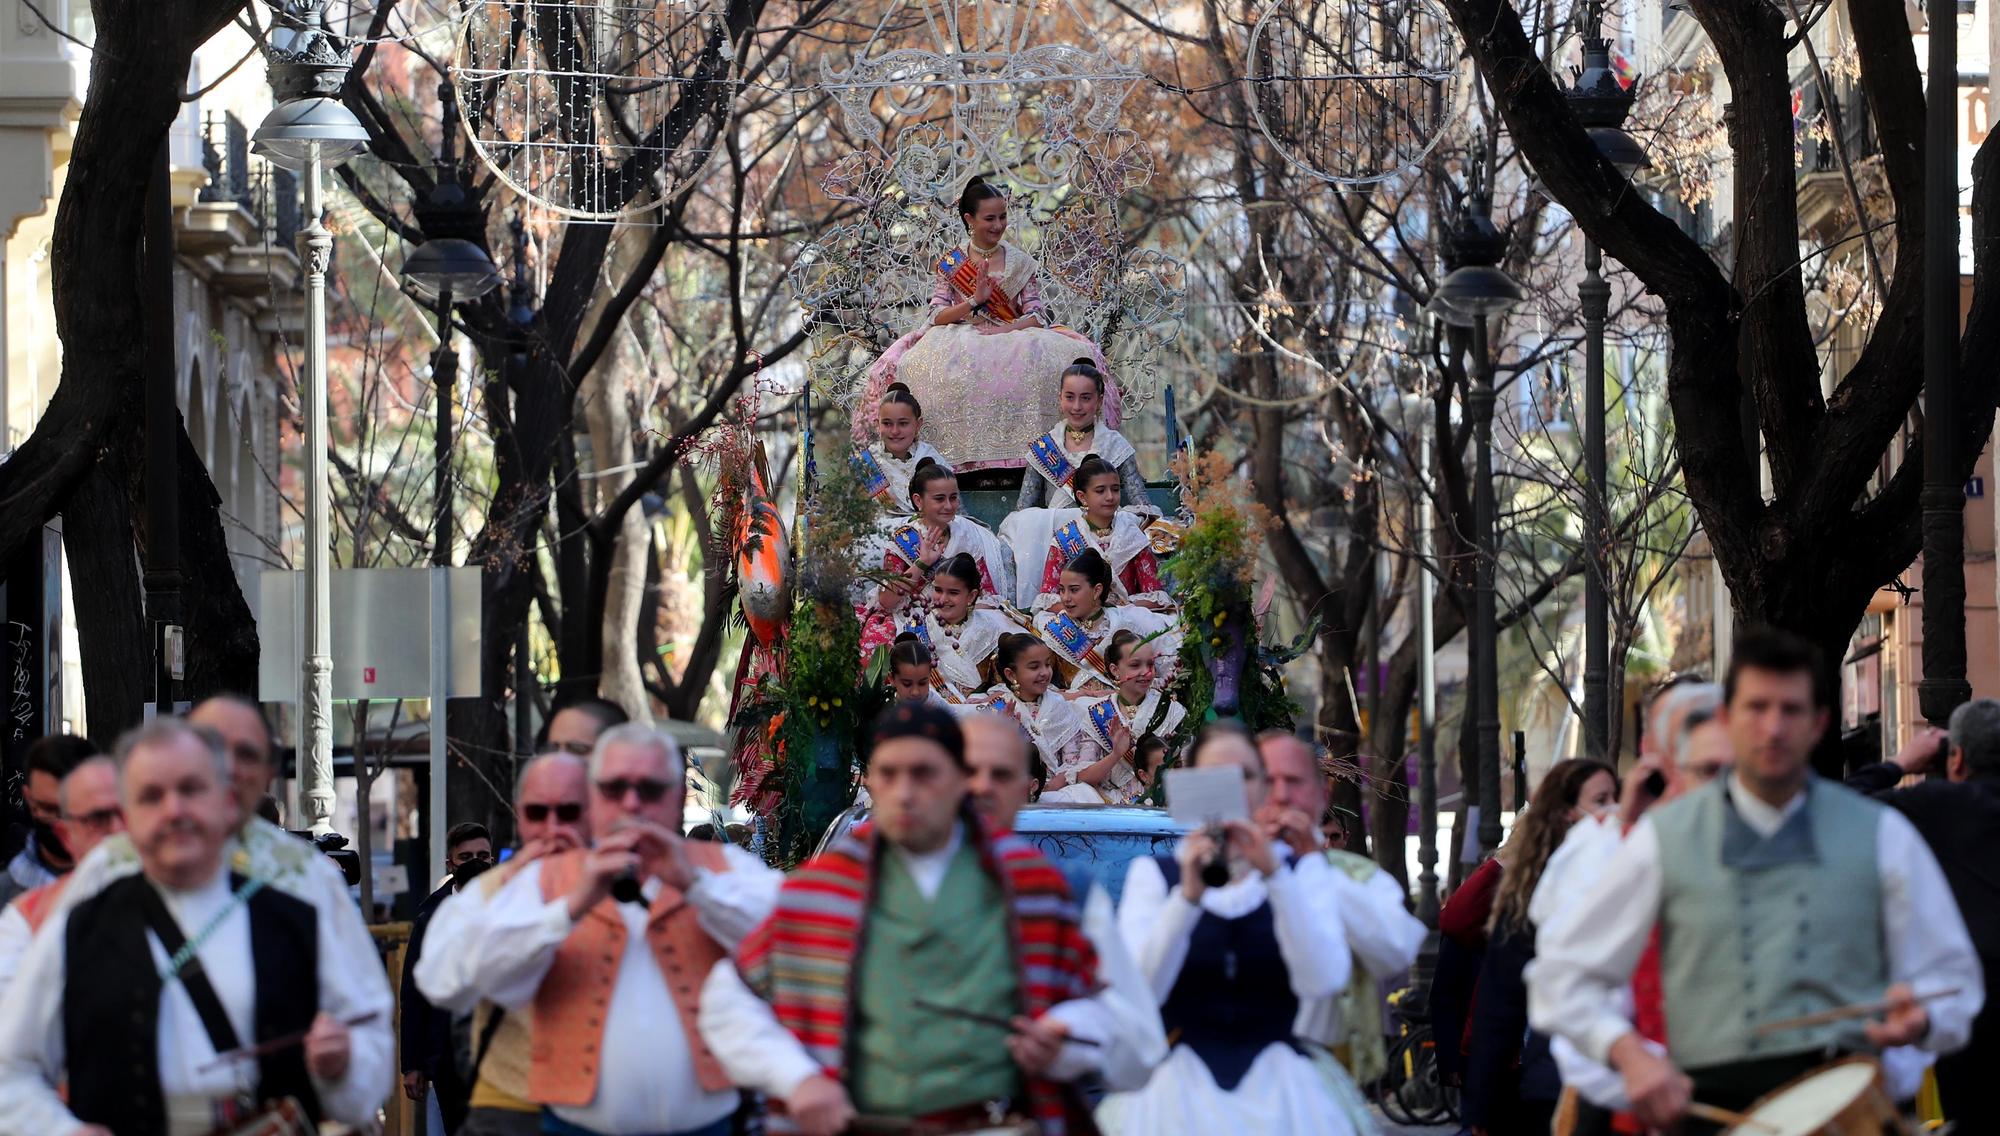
<point>594,111</point>
<point>1352,92</point>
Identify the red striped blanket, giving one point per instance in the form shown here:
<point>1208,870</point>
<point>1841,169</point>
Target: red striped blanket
<point>802,958</point>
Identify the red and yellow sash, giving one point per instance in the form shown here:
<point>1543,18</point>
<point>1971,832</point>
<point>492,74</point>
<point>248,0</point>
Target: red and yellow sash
<point>960,270</point>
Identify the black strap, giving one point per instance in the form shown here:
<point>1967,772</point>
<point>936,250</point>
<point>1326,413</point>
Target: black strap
<point>193,979</point>
<point>486,1039</point>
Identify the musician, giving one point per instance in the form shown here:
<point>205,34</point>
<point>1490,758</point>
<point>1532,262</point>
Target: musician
<point>88,799</point>
<point>1784,895</point>
<point>1959,817</point>
<point>1230,967</point>
<point>1380,931</point>
<point>612,983</point>
<point>894,957</point>
<point>886,464</point>
<point>132,993</point>
<point>551,814</point>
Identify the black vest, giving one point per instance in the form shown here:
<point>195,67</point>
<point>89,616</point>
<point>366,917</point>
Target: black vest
<point>111,1004</point>
<point>1233,998</point>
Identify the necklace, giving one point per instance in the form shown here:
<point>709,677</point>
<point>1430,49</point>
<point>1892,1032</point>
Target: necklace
<point>983,250</point>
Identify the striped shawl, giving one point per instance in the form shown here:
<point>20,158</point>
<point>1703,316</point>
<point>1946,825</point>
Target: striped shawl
<point>802,958</point>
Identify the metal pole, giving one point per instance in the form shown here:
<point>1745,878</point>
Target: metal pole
<point>1596,296</point>
<point>1486,620</point>
<point>163,430</point>
<point>1944,684</point>
<point>316,696</point>
<point>1427,766</point>
<point>444,376</point>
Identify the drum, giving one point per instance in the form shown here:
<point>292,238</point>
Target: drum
<point>1846,1098</point>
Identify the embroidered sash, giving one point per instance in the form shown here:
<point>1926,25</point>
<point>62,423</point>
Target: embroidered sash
<point>1102,715</point>
<point>1073,643</point>
<point>1071,543</point>
<point>873,479</point>
<point>1051,461</point>
<point>908,541</point>
<point>961,272</point>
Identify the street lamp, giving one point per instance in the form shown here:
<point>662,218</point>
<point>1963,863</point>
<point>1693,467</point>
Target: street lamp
<point>1600,103</point>
<point>309,128</point>
<point>446,267</point>
<point>1474,291</point>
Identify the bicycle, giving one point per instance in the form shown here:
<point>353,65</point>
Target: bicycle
<point>1412,1092</point>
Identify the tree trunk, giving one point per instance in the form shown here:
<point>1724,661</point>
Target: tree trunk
<point>104,583</point>
<point>609,414</point>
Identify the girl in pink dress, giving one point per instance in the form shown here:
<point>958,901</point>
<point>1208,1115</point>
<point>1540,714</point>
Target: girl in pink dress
<point>988,349</point>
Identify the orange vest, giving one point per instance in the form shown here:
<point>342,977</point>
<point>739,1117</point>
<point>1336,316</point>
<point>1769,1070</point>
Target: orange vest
<point>574,1001</point>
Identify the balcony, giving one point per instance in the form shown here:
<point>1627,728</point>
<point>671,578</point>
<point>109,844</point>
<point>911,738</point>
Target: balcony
<point>1824,204</point>
<point>244,222</point>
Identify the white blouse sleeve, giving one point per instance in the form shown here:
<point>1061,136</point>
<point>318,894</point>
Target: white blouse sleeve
<point>1155,922</point>
<point>1311,935</point>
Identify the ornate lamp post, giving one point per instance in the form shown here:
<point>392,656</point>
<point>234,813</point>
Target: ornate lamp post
<point>310,128</point>
<point>1601,104</point>
<point>1474,291</point>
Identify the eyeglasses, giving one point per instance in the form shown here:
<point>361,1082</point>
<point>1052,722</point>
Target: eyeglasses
<point>98,821</point>
<point>650,791</point>
<point>568,812</point>
<point>574,749</point>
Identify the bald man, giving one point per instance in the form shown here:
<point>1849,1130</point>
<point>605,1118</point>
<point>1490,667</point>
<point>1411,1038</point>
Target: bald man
<point>1380,931</point>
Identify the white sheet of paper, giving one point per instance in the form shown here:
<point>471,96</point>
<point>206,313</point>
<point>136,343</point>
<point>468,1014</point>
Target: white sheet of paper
<point>1206,796</point>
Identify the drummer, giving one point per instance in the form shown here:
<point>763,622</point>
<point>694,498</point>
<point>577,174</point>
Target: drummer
<point>1776,895</point>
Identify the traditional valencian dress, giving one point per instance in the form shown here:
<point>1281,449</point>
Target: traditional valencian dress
<point>1055,725</point>
<point>1047,497</point>
<point>1079,647</point>
<point>900,546</point>
<point>1000,387</point>
<point>963,654</point>
<point>1135,571</point>
<point>1230,974</point>
<point>887,477</point>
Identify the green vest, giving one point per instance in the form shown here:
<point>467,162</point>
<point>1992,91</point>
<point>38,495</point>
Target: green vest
<point>1754,929</point>
<point>952,950</point>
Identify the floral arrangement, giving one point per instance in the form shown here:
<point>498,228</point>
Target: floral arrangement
<point>805,721</point>
<point>1214,575</point>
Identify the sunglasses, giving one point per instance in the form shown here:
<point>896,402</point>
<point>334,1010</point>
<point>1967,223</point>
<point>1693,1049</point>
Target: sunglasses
<point>574,749</point>
<point>98,821</point>
<point>650,791</point>
<point>569,812</point>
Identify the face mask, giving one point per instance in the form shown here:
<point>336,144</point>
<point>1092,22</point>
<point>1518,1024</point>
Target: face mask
<point>48,842</point>
<point>465,873</point>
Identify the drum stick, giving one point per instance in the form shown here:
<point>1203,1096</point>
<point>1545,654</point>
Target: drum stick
<point>991,1020</point>
<point>247,1052</point>
<point>1839,1014</point>
<point>1716,1115</point>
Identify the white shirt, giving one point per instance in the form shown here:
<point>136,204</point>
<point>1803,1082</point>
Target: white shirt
<point>1157,923</point>
<point>500,948</point>
<point>1382,934</point>
<point>32,1058</point>
<point>15,935</point>
<point>1586,954</point>
<point>760,1054</point>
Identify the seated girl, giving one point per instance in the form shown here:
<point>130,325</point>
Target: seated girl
<point>1136,702</point>
<point>1085,618</point>
<point>1053,723</point>
<point>912,672</point>
<point>1149,755</point>
<point>1052,459</point>
<point>886,464</point>
<point>963,637</point>
<point>988,348</point>
<point>912,551</point>
<point>1111,532</point>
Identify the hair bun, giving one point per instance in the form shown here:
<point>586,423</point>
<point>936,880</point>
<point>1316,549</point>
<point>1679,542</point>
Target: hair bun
<point>904,387</point>
<point>1084,361</point>
<point>922,462</point>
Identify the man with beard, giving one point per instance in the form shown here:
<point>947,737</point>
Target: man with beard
<point>426,1029</point>
<point>551,814</point>
<point>921,974</point>
<point>139,995</point>
<point>89,801</point>
<point>44,859</point>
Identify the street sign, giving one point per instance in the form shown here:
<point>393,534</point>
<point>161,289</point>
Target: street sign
<point>1975,487</point>
<point>381,648</point>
